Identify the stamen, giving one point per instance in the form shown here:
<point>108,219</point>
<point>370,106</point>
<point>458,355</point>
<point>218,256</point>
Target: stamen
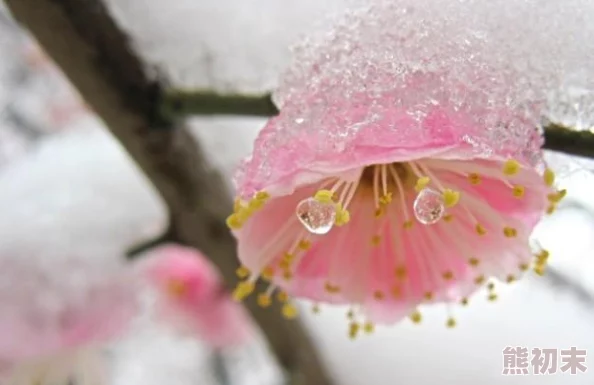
<point>474,178</point>
<point>264,300</point>
<point>416,317</point>
<point>242,272</point>
<point>511,167</point>
<point>549,177</point>
<point>289,311</point>
<point>518,191</point>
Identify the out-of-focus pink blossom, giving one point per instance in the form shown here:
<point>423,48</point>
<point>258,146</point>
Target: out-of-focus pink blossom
<point>404,167</point>
<point>56,314</point>
<point>191,296</point>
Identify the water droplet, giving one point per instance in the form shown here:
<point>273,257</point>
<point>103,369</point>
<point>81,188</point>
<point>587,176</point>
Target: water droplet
<point>428,206</point>
<point>317,217</point>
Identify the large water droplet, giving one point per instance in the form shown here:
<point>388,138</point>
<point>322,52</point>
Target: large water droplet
<point>428,206</point>
<point>317,217</point>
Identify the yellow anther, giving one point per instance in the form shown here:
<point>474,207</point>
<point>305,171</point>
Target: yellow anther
<point>267,273</point>
<point>234,221</point>
<point>451,323</point>
<point>480,230</point>
<point>342,217</point>
<point>282,296</point>
<point>540,269</point>
<point>375,240</point>
<point>510,232</point>
<point>354,330</point>
<point>549,177</point>
<point>243,290</point>
<point>379,295</point>
<point>416,317</point>
<point>408,224</point>
<point>396,292</point>
<point>524,266</point>
<point>448,217</point>
<point>177,288</point>
<point>287,275</point>
<point>557,197</point>
<point>237,205</point>
<point>492,297</point>
<point>428,296</point>
<point>551,209</point>
<point>350,314</point>
<point>330,288</point>
<point>448,275</point>
<point>479,280</point>
<point>379,212</point>
<point>324,196</point>
<point>386,199</point>
<point>518,191</point>
<point>473,262</point>
<point>474,178</point>
<point>288,257</point>
<point>510,278</point>
<point>464,301</point>
<point>543,256</point>
<point>450,197</point>
<point>422,182</point>
<point>255,204</point>
<point>491,286</point>
<point>289,311</point>
<point>511,167</point>
<point>264,300</point>
<point>262,196</point>
<point>242,272</point>
<point>304,244</point>
<point>284,264</point>
<point>368,327</point>
<point>400,272</point>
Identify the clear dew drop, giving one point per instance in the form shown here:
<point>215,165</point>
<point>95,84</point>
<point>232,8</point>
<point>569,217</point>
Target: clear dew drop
<point>428,206</point>
<point>316,217</point>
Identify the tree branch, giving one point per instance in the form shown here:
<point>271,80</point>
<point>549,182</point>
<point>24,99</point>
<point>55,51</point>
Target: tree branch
<point>184,103</point>
<point>95,55</point>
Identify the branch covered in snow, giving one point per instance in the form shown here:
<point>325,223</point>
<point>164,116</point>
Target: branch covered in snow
<point>84,40</point>
<point>184,103</point>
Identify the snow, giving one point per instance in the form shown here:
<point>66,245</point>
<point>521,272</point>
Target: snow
<point>77,190</point>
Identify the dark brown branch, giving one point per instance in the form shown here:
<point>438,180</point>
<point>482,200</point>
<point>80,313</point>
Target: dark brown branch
<point>562,139</point>
<point>95,55</point>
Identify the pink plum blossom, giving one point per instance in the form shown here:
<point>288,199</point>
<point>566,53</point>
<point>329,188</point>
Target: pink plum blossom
<point>405,166</point>
<point>57,313</point>
<point>191,296</point>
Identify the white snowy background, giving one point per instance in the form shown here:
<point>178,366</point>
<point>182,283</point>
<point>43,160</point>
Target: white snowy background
<point>67,185</point>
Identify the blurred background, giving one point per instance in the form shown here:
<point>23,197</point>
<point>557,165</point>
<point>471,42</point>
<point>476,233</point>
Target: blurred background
<point>67,185</point>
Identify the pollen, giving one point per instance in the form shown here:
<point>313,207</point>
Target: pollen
<point>256,204</point>
<point>177,288</point>
<point>242,272</point>
<point>375,240</point>
<point>511,167</point>
<point>234,221</point>
<point>474,178</point>
<point>518,191</point>
<point>473,262</point>
<point>330,288</point>
<point>237,206</point>
<point>416,317</point>
<point>492,297</point>
<point>342,217</point>
<point>324,196</point>
<point>428,296</point>
<point>540,269</point>
<point>510,278</point>
<point>408,224</point>
<point>543,256</point>
<point>262,196</point>
<point>386,199</point>
<point>396,292</point>
<point>304,244</point>
<point>448,218</point>
<point>243,290</point>
<point>379,295</point>
<point>551,209</point>
<point>480,230</point>
<point>400,272</point>
<point>549,177</point>
<point>368,327</point>
<point>287,275</point>
<point>451,323</point>
<point>354,328</point>
<point>264,300</point>
<point>448,275</point>
<point>557,197</point>
<point>479,280</point>
<point>450,197</point>
<point>289,311</point>
<point>379,212</point>
<point>288,257</point>
<point>282,296</point>
<point>510,232</point>
<point>464,302</point>
<point>268,273</point>
<point>524,266</point>
<point>422,183</point>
